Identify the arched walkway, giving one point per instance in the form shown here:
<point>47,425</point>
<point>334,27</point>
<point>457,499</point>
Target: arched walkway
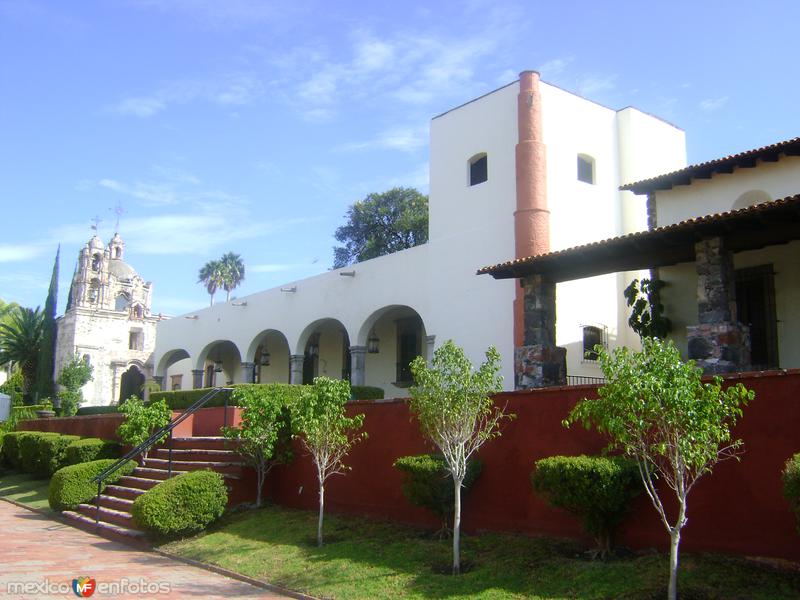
<point>218,364</point>
<point>323,349</point>
<point>270,356</point>
<point>131,384</point>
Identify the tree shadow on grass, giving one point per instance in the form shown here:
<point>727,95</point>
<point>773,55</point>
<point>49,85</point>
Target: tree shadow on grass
<point>367,559</point>
<point>25,489</point>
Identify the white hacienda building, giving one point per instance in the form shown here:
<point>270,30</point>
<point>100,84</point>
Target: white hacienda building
<point>526,169</point>
<point>108,323</point>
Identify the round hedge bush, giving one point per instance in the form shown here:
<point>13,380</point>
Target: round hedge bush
<point>52,450</point>
<point>11,457</point>
<point>597,489</point>
<point>428,483</point>
<point>88,449</point>
<point>30,453</point>
<point>73,485</point>
<point>184,504</point>
<point>791,485</point>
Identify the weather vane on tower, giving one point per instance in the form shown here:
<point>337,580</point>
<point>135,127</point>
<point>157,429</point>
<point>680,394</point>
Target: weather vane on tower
<point>119,211</point>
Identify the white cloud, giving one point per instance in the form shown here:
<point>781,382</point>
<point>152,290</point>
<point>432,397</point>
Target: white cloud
<point>554,67</point>
<point>713,104</point>
<point>593,84</point>
<point>228,90</point>
<point>19,252</point>
<point>276,267</point>
<point>405,139</point>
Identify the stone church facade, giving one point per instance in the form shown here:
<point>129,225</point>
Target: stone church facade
<point>108,323</point>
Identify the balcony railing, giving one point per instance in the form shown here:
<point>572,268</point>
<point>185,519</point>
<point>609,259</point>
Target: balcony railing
<point>584,380</point>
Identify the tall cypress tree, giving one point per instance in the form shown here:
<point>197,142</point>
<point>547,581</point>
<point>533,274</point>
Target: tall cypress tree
<point>47,352</point>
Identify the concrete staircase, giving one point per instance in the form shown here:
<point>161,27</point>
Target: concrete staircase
<point>116,501</point>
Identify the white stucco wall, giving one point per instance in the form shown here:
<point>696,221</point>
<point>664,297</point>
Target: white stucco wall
<point>720,192</point>
<point>470,227</point>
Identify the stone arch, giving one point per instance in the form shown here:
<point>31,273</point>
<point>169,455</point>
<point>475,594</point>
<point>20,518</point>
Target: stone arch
<point>309,330</point>
<point>257,340</point>
<point>750,198</point>
<point>325,347</point>
<point>270,352</point>
<point>132,382</point>
<point>369,322</point>
<point>169,358</point>
<point>224,357</point>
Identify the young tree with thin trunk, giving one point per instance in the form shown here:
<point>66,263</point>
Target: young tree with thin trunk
<point>326,431</point>
<point>453,404</point>
<point>656,409</point>
<point>264,436</point>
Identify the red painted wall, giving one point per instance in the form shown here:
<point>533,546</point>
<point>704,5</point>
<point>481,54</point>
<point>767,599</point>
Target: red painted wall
<point>738,509</point>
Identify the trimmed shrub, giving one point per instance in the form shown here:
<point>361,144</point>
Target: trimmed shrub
<point>366,392</point>
<point>97,410</point>
<point>52,453</point>
<point>10,455</point>
<point>184,504</point>
<point>597,489</point>
<point>791,485</point>
<point>428,483</point>
<point>22,413</point>
<point>29,452</point>
<point>89,449</point>
<point>73,485</point>
<point>181,399</point>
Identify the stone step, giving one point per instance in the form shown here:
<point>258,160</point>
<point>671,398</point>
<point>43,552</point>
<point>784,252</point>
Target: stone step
<point>141,483</point>
<point>229,467</point>
<point>108,515</point>
<point>122,492</point>
<point>109,531</point>
<point>161,474</point>
<point>190,454</point>
<point>202,443</point>
<point>116,503</point>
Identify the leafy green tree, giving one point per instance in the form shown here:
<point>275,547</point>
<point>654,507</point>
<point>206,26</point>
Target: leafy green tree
<point>7,309</point>
<point>20,342</point>
<point>142,420</point>
<point>232,267</point>
<point>47,352</point>
<point>13,387</point>
<point>211,276</point>
<point>264,437</point>
<point>657,411</point>
<point>326,431</point>
<point>381,224</point>
<point>73,376</point>
<point>453,404</point>
<point>647,313</point>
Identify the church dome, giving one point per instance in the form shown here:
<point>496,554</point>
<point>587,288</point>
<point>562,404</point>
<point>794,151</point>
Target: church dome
<point>95,243</point>
<point>121,270</point>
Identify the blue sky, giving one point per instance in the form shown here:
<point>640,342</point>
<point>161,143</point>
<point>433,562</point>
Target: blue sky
<point>252,125</point>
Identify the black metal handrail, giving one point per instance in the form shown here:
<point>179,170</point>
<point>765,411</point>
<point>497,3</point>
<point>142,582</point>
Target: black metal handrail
<point>154,438</point>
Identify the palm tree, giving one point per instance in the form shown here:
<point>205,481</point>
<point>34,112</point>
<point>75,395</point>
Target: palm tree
<point>232,272</point>
<point>20,342</point>
<point>211,275</point>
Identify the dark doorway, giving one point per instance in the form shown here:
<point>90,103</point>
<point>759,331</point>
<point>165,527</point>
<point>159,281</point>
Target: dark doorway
<point>131,384</point>
<point>755,307</point>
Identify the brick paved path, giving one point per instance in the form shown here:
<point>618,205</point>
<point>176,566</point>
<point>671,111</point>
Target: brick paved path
<point>36,549</point>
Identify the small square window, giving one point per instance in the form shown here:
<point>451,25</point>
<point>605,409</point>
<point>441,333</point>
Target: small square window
<point>593,336</point>
<point>585,168</point>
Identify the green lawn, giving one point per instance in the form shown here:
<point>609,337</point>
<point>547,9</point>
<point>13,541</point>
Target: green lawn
<point>24,489</point>
<point>368,559</point>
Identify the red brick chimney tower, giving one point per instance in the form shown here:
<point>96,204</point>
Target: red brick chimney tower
<point>532,218</point>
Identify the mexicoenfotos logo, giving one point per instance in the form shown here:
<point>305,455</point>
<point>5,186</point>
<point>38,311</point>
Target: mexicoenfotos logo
<point>84,586</point>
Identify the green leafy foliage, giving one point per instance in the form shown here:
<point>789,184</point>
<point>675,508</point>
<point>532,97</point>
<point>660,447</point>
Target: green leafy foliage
<point>13,387</point>
<point>73,376</point>
<point>428,483</point>
<point>181,399</point>
<point>53,453</point>
<point>381,224</point>
<point>86,411</point>
<point>366,392</point>
<point>597,489</point>
<point>326,431</point>
<point>453,404</point>
<point>89,449</point>
<point>647,313</point>
<point>264,437</point>
<point>22,413</point>
<point>31,459</point>
<point>11,456</point>
<point>657,411</point>
<point>73,485</point>
<point>20,341</point>
<point>791,485</point>
<point>142,420</point>
<point>182,505</point>
<point>226,273</point>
